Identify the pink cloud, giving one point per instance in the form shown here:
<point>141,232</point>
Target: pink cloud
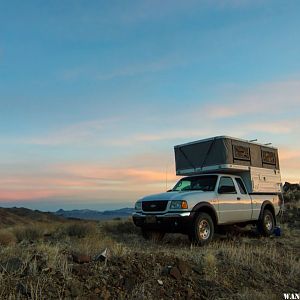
<point>28,194</point>
<point>264,99</point>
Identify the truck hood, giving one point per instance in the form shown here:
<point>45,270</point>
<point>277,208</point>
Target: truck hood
<point>186,195</point>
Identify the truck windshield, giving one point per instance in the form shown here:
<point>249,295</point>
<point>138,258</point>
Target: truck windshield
<point>204,183</point>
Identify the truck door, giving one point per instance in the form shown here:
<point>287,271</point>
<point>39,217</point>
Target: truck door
<point>245,199</point>
<point>233,205</point>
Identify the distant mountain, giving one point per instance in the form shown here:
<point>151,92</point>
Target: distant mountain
<point>24,216</point>
<point>88,214</point>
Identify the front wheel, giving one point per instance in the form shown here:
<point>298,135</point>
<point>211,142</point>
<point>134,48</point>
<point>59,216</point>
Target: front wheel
<point>203,229</point>
<point>266,223</point>
<point>152,235</point>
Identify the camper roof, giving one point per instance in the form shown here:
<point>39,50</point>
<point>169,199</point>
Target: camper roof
<point>225,137</point>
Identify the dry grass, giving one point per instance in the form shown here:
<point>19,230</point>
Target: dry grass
<point>243,267</point>
<point>7,238</point>
<point>28,233</point>
<point>79,229</point>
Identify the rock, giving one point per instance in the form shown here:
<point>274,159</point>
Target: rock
<point>166,270</point>
<point>13,265</point>
<point>75,291</point>
<point>81,271</point>
<point>105,295</point>
<point>21,288</point>
<point>46,270</point>
<point>81,258</point>
<point>175,273</point>
<point>183,266</point>
<point>103,256</point>
<point>129,283</point>
<point>189,293</point>
<point>160,282</point>
<point>198,270</point>
<point>39,261</point>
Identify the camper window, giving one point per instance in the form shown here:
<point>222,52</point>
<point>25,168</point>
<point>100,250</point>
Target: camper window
<point>241,152</point>
<point>268,157</point>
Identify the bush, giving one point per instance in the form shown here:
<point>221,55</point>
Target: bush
<point>78,230</point>
<point>29,233</point>
<point>7,238</point>
<point>117,227</point>
<point>291,196</point>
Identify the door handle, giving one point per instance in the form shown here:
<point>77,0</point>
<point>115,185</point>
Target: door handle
<point>238,198</point>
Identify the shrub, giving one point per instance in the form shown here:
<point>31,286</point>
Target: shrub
<point>210,266</point>
<point>7,238</point>
<point>29,233</point>
<point>120,227</point>
<point>78,230</point>
<point>291,196</point>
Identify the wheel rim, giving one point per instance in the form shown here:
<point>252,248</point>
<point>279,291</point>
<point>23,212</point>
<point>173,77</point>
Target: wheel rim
<point>204,230</point>
<point>268,222</point>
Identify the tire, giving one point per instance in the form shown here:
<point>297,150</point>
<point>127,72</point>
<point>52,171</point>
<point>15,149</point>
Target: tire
<point>266,223</point>
<point>202,231</point>
<point>152,235</point>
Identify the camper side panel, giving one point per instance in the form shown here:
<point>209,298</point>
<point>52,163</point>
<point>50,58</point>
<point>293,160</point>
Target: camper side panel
<point>261,180</point>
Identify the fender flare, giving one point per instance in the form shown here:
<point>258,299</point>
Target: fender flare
<point>263,206</point>
<point>206,207</point>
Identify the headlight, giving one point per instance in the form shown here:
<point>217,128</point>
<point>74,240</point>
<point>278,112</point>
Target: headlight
<point>178,204</point>
<point>138,205</point>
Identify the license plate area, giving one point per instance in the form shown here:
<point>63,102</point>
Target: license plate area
<point>150,219</point>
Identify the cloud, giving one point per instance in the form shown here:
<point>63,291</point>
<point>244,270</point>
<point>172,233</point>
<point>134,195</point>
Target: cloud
<point>275,127</point>
<point>172,135</point>
<point>269,109</point>
<point>28,194</point>
<point>82,181</point>
<point>132,69</point>
<point>72,134</point>
<point>142,68</point>
<point>127,178</point>
<point>289,164</point>
<point>265,99</point>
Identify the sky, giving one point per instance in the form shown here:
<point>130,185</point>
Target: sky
<point>95,94</point>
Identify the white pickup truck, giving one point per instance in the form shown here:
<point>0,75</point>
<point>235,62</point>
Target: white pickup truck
<point>199,204</point>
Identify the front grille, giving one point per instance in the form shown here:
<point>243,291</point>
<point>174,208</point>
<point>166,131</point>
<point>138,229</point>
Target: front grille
<point>154,205</point>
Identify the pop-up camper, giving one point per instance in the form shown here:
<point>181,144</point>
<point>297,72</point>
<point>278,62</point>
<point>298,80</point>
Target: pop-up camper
<point>257,164</point>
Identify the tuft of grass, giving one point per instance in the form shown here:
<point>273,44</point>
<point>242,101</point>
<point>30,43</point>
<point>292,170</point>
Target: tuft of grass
<point>79,230</point>
<point>7,238</point>
<point>29,233</point>
<point>120,227</point>
<point>210,266</point>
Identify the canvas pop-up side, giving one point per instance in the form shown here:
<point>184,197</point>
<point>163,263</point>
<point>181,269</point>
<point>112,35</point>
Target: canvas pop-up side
<point>258,164</point>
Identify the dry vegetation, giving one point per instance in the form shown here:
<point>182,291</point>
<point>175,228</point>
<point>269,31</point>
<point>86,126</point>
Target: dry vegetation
<point>61,261</point>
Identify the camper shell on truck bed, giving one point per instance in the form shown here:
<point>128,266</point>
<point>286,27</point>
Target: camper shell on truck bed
<point>257,164</point>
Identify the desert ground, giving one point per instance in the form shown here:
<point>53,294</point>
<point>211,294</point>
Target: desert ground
<point>47,257</point>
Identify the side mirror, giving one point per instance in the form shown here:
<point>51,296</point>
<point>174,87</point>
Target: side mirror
<point>226,190</point>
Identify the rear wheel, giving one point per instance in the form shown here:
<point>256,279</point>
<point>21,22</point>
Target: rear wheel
<point>203,230</point>
<point>266,223</point>
<point>152,235</point>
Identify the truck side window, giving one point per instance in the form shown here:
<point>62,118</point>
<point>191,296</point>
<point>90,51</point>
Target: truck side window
<point>226,186</point>
<point>241,185</point>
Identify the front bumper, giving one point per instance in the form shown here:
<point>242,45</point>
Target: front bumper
<point>168,222</point>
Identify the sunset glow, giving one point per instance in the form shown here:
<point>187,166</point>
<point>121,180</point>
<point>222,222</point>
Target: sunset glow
<point>94,97</point>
